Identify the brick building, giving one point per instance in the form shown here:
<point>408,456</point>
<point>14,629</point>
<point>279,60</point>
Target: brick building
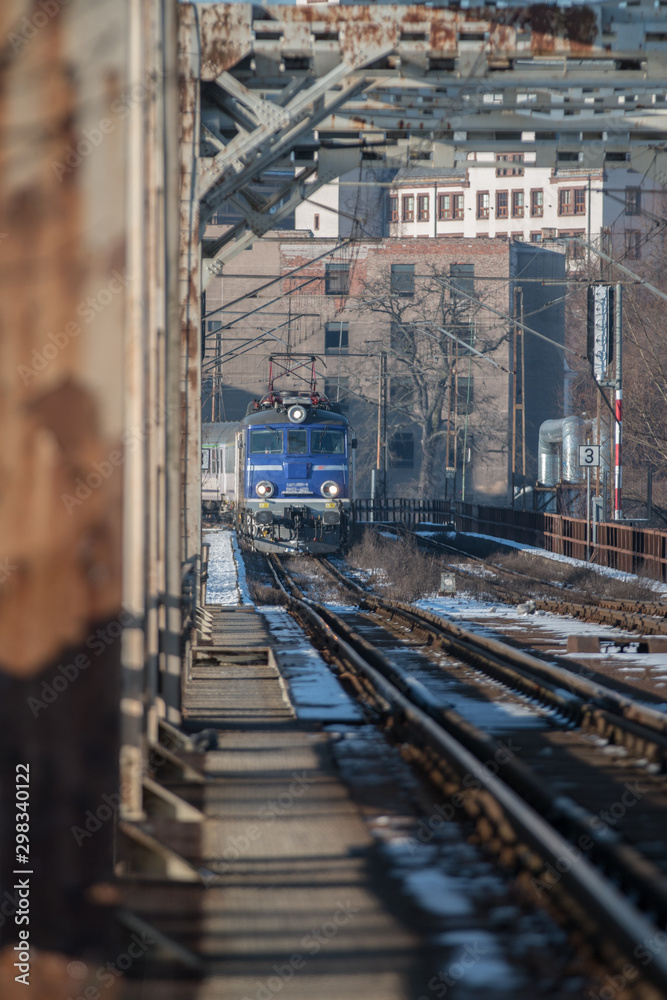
<point>416,341</point>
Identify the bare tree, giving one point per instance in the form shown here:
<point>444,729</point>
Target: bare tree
<point>432,330</point>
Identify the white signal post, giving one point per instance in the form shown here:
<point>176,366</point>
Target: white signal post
<point>618,411</point>
<point>589,458</point>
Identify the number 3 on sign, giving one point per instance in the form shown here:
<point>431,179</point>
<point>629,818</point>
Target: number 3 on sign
<point>589,455</point>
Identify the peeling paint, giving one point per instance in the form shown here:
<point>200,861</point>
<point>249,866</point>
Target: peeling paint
<point>230,33</point>
<point>60,365</point>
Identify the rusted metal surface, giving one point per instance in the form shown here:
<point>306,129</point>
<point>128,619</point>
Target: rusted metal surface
<point>63,294</point>
<point>64,281</point>
<point>225,33</point>
<point>88,299</point>
<point>278,78</point>
<point>231,32</point>
<point>190,281</point>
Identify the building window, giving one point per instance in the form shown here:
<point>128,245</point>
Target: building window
<point>450,206</point>
<point>403,280</point>
<point>402,450</point>
<point>572,201</point>
<point>508,171</point>
<point>483,205</point>
<point>336,338</point>
<point>337,279</point>
<point>565,203</point>
<point>462,280</point>
<point>632,196</point>
<point>632,244</point>
<point>519,237</point>
<point>517,204</point>
<point>536,237</point>
<point>316,222</point>
<point>422,208</point>
<point>501,204</point>
<point>408,208</point>
<point>537,203</point>
<point>393,208</point>
<point>445,207</point>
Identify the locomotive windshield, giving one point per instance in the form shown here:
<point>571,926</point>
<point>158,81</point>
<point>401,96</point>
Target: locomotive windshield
<point>297,442</point>
<point>266,442</point>
<point>328,442</point>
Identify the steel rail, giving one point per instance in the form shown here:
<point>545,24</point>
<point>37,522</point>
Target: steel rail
<point>542,676</point>
<point>466,750</point>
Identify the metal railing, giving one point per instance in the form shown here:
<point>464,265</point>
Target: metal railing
<point>619,546</point>
<point>405,511</point>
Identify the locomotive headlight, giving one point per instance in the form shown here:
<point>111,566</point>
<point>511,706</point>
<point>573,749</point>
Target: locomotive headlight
<point>330,489</point>
<point>264,489</point>
<point>297,413</point>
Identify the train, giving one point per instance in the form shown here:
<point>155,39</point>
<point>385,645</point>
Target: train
<point>284,471</point>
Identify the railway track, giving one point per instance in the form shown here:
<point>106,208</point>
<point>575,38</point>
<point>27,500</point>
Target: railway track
<point>575,799</point>
<point>644,617</point>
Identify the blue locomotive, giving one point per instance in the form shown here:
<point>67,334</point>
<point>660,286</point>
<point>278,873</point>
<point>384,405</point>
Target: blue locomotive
<point>293,469</point>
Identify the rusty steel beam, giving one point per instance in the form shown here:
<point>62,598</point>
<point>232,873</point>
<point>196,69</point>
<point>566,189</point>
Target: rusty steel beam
<point>64,287</point>
<point>90,435</point>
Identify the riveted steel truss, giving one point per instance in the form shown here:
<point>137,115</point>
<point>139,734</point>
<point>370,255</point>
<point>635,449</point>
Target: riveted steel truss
<point>286,87</point>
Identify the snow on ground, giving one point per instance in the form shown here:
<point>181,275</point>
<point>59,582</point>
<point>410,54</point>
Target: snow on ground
<point>226,573</point>
<point>472,613</point>
<point>617,574</point>
<point>314,691</point>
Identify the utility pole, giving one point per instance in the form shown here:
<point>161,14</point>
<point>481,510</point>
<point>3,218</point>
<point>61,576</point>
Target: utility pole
<point>381,457</point>
<point>518,408</point>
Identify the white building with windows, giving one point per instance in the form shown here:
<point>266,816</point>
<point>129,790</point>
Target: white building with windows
<point>504,195</point>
